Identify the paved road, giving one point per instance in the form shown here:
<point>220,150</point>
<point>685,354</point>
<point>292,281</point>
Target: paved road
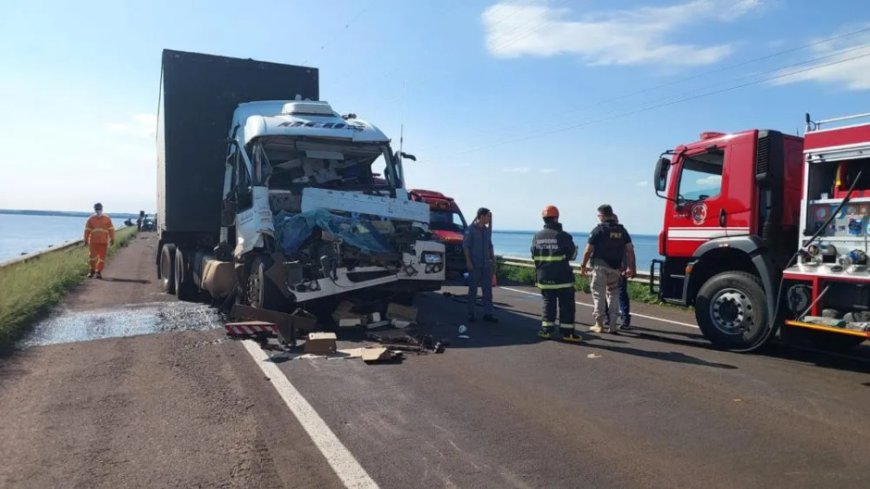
<point>654,408</point>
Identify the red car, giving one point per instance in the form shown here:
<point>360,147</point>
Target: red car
<point>446,223</point>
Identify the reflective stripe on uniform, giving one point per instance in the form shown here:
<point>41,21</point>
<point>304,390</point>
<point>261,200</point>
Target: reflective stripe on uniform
<point>547,323</point>
<point>549,258</point>
<point>554,286</point>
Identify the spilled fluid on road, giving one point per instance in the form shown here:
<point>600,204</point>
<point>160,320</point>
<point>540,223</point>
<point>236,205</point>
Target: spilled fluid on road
<point>131,320</point>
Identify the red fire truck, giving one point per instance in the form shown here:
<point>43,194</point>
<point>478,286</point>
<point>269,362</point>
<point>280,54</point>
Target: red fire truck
<point>447,225</point>
<point>767,233</point>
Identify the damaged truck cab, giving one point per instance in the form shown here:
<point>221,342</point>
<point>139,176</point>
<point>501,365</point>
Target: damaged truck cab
<point>295,214</point>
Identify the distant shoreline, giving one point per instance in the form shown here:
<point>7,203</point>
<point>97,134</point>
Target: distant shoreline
<point>26,212</point>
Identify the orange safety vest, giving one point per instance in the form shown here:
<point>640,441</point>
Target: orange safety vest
<point>99,230</point>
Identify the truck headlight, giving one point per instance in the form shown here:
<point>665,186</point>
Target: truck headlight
<point>432,258</point>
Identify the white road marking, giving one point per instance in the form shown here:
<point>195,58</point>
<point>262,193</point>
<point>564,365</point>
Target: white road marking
<point>678,323</point>
<point>345,465</point>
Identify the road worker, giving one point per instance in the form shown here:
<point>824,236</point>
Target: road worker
<point>552,251</point>
<point>99,234</point>
<point>480,262</point>
<point>612,256</point>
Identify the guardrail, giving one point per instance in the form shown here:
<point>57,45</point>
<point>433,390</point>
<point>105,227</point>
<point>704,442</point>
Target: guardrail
<point>514,261</point>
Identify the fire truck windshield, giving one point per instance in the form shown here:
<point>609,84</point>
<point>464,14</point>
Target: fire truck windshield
<point>701,176</point>
<point>443,220</point>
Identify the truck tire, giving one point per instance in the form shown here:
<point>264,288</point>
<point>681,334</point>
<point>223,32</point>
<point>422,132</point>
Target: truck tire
<point>731,310</point>
<point>260,291</point>
<point>184,286</point>
<point>167,268</point>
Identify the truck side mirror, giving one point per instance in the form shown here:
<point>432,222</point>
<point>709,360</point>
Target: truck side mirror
<point>408,156</point>
<point>228,213</point>
<point>660,178</point>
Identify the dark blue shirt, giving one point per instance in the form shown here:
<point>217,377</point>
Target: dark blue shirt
<point>478,242</point>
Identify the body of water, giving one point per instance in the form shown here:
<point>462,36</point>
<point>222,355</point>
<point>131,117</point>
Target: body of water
<point>517,244</point>
<point>21,234</point>
<point>24,234</point>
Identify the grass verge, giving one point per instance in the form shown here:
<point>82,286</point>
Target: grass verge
<point>31,288</point>
<point>526,276</point>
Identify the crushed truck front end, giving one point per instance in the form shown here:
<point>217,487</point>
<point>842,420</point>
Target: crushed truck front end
<point>313,220</point>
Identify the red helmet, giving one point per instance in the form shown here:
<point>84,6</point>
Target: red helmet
<point>550,211</point>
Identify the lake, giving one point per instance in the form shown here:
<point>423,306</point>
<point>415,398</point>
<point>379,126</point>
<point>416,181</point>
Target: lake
<point>517,244</point>
<point>27,234</point>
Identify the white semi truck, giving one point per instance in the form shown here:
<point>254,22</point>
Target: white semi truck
<point>267,196</point>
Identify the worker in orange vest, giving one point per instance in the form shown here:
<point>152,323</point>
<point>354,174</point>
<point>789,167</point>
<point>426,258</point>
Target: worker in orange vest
<point>99,234</point>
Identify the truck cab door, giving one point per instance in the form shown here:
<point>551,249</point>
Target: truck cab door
<point>699,210</point>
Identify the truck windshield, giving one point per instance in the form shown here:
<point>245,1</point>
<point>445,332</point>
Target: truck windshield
<point>441,220</point>
<point>701,176</point>
<point>296,163</point>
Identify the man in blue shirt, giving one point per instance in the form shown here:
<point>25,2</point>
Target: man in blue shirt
<point>480,260</point>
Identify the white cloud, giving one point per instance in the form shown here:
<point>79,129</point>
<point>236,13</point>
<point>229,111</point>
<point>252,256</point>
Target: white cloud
<point>642,183</point>
<point>140,125</point>
<point>547,170</point>
<point>710,181</point>
<point>518,169</point>
<point>618,37</point>
<point>846,62</point>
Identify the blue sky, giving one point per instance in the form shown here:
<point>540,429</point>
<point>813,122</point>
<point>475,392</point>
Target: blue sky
<point>511,105</point>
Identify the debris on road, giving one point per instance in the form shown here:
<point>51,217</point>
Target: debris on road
<point>593,355</point>
<point>381,354</point>
<point>320,344</point>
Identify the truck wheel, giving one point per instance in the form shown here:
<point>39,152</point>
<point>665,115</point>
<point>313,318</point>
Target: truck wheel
<point>184,287</point>
<point>731,310</point>
<point>260,291</point>
<point>167,268</point>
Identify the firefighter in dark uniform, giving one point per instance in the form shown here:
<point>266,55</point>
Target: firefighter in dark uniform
<point>552,251</point>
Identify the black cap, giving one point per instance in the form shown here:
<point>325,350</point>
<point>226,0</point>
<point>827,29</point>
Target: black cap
<point>606,210</point>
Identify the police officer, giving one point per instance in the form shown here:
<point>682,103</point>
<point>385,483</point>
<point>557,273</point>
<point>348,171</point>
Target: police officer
<point>552,250</point>
<point>612,255</point>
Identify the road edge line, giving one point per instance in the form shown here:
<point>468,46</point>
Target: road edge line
<point>669,321</point>
<point>343,463</point>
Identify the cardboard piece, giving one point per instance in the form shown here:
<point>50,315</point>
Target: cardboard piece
<point>320,344</point>
<point>378,324</point>
<point>349,322</point>
<point>379,354</point>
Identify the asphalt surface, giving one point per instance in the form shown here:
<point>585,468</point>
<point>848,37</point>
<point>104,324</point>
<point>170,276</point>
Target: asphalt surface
<point>655,407</point>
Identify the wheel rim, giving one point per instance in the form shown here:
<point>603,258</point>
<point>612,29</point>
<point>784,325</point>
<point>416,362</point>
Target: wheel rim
<point>732,312</point>
<point>253,292</point>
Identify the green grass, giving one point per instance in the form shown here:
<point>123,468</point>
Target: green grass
<point>31,288</point>
<point>526,276</point>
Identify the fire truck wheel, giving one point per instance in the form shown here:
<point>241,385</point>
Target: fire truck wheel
<point>731,310</point>
<point>167,268</point>
<point>260,291</point>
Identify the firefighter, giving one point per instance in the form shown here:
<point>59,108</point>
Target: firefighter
<point>552,251</point>
<point>99,234</point>
<point>612,255</point>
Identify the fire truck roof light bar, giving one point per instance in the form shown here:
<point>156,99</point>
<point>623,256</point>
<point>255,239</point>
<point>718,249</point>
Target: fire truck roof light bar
<point>815,125</point>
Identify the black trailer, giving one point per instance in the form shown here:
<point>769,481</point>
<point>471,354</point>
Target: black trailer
<point>198,94</point>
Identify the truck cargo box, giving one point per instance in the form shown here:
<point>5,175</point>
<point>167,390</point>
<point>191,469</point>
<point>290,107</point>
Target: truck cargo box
<point>198,94</point>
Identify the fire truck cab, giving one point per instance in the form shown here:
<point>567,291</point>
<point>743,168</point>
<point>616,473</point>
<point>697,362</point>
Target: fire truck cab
<point>741,208</point>
<point>447,225</point>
